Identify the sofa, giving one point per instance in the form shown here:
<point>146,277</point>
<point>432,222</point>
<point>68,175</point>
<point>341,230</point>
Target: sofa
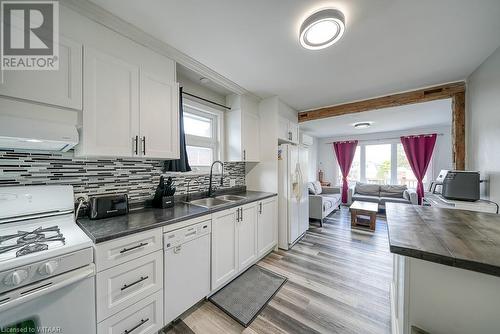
<point>322,200</point>
<point>382,194</point>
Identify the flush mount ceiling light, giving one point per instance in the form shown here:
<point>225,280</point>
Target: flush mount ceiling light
<point>362,125</point>
<point>322,29</point>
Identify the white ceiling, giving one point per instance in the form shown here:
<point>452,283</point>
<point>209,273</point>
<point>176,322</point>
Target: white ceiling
<point>389,45</point>
<point>421,115</point>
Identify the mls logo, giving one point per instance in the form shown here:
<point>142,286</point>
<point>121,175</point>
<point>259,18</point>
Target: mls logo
<point>29,35</point>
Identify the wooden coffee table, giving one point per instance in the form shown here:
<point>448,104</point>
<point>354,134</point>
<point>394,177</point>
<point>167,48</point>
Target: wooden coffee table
<point>359,208</point>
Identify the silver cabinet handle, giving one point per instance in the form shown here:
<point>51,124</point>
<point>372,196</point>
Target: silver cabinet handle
<point>126,286</point>
<point>142,322</point>
<point>238,215</point>
<point>136,144</point>
<point>241,209</point>
<point>144,145</point>
<point>260,208</point>
<point>244,154</point>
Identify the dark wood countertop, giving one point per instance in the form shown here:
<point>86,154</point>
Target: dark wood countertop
<point>463,239</point>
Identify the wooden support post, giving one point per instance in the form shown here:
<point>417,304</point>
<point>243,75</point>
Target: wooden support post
<point>458,130</point>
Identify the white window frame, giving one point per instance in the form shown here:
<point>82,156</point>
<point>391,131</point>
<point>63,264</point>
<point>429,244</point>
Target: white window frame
<point>214,142</point>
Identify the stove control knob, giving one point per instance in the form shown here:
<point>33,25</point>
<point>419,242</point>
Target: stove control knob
<point>16,277</point>
<point>48,268</point>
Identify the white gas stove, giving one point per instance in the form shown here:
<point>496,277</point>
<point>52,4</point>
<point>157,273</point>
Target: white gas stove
<point>43,256</point>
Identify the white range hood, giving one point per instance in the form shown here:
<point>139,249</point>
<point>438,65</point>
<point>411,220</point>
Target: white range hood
<point>30,134</point>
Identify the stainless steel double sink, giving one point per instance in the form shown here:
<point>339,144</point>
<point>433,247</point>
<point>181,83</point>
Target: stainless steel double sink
<point>211,202</point>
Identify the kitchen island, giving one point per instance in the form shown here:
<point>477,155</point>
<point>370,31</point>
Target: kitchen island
<point>446,275</point>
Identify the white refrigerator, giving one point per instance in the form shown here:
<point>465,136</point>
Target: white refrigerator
<point>293,199</point>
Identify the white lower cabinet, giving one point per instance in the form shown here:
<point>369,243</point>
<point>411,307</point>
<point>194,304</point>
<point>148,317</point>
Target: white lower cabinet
<point>224,246</point>
<point>247,236</point>
<point>128,283</point>
<point>267,221</point>
<point>240,237</point>
<point>144,317</point>
<point>118,251</point>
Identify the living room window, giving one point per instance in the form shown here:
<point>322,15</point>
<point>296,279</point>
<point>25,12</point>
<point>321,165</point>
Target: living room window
<point>202,129</point>
<point>378,164</point>
<point>382,163</point>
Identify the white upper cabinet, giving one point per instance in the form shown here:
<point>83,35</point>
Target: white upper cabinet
<point>127,112</point>
<point>111,107</point>
<point>288,130</point>
<point>62,87</point>
<point>242,129</point>
<point>251,137</point>
<point>159,117</point>
<point>130,95</point>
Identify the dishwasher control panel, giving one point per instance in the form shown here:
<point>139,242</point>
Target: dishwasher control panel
<point>180,236</point>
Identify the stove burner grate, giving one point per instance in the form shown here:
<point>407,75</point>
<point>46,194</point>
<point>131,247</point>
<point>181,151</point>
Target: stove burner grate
<point>31,248</point>
<point>33,241</point>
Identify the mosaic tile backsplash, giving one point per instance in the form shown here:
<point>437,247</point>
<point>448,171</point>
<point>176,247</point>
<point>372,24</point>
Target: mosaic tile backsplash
<point>136,177</point>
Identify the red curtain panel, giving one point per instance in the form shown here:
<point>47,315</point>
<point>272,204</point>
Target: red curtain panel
<point>344,151</point>
<point>418,150</point>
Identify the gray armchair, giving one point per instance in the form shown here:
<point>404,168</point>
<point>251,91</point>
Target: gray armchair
<point>323,200</point>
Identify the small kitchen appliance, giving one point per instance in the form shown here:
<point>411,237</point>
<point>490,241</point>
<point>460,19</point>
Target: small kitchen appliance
<point>105,206</point>
<point>461,185</point>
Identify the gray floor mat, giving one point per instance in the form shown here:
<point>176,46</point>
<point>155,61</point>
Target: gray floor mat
<point>246,296</point>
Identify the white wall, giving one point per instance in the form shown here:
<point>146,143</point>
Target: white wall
<point>483,119</point>
<point>442,157</point>
<point>312,172</point>
<point>312,158</point>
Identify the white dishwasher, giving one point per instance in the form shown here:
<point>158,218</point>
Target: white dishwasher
<point>187,268</point>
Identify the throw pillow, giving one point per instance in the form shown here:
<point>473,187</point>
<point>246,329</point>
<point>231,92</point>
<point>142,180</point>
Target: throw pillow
<point>392,191</point>
<point>317,186</point>
<point>311,188</point>
<point>367,189</point>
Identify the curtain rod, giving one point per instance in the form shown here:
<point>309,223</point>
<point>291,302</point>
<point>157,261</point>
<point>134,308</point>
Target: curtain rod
<point>206,100</point>
<point>384,139</point>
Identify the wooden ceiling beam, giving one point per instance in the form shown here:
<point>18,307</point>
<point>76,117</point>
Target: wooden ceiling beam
<point>416,96</point>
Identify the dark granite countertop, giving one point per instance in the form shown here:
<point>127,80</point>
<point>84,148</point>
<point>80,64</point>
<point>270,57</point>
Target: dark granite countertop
<point>141,220</point>
<point>463,239</point>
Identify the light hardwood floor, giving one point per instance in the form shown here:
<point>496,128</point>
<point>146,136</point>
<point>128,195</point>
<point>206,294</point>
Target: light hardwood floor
<point>338,282</point>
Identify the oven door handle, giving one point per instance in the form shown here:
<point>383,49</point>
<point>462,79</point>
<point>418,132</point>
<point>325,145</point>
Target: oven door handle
<point>32,291</point>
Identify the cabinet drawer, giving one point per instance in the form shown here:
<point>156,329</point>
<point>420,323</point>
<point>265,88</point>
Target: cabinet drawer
<point>121,250</point>
<point>123,285</point>
<point>144,317</point>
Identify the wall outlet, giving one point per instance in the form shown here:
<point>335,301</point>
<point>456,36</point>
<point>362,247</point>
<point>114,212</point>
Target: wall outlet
<point>232,182</point>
